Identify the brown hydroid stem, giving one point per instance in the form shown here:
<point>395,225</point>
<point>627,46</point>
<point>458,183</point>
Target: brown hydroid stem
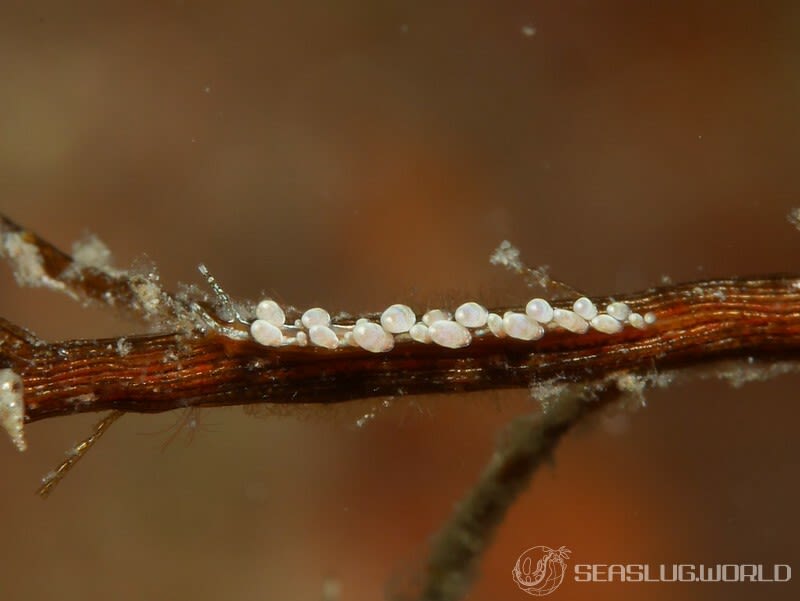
<point>696,323</point>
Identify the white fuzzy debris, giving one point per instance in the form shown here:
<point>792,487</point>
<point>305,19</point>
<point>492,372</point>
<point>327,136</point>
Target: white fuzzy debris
<point>649,318</point>
<point>12,407</point>
<point>263,332</point>
<point>92,252</point>
<point>606,324</point>
<point>570,321</point>
<point>434,315</point>
<point>507,255</point>
<point>528,31</point>
<point>794,217</point>
<point>619,311</point>
<point>270,311</point>
<point>323,336</point>
<point>522,327</point>
<point>472,315</point>
<point>540,310</point>
<point>123,347</point>
<point>316,317</point>
<point>450,334</point>
<point>372,337</point>
<point>148,294</point>
<point>495,323</point>
<point>636,320</point>
<point>585,308</point>
<point>634,385</point>
<point>27,263</point>
<point>398,319</point>
<point>419,332</point>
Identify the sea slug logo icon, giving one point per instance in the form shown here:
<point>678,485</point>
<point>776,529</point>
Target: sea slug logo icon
<point>540,570</point>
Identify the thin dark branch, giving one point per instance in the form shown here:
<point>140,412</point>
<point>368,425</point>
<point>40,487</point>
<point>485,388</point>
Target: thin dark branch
<point>529,440</point>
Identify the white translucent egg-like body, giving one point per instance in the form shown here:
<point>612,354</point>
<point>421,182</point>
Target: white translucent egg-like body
<point>619,311</point>
<point>270,311</point>
<point>435,315</point>
<point>606,324</point>
<point>522,327</point>
<point>450,334</point>
<point>316,317</point>
<point>419,332</point>
<point>472,315</point>
<point>323,336</point>
<point>266,333</point>
<point>398,319</point>
<point>372,337</point>
<point>540,310</point>
<point>584,308</point>
<point>570,320</point>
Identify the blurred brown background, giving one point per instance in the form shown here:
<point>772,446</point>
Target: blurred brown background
<point>353,154</point>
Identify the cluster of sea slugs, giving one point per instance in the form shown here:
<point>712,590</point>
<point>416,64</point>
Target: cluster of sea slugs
<point>438,326</point>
